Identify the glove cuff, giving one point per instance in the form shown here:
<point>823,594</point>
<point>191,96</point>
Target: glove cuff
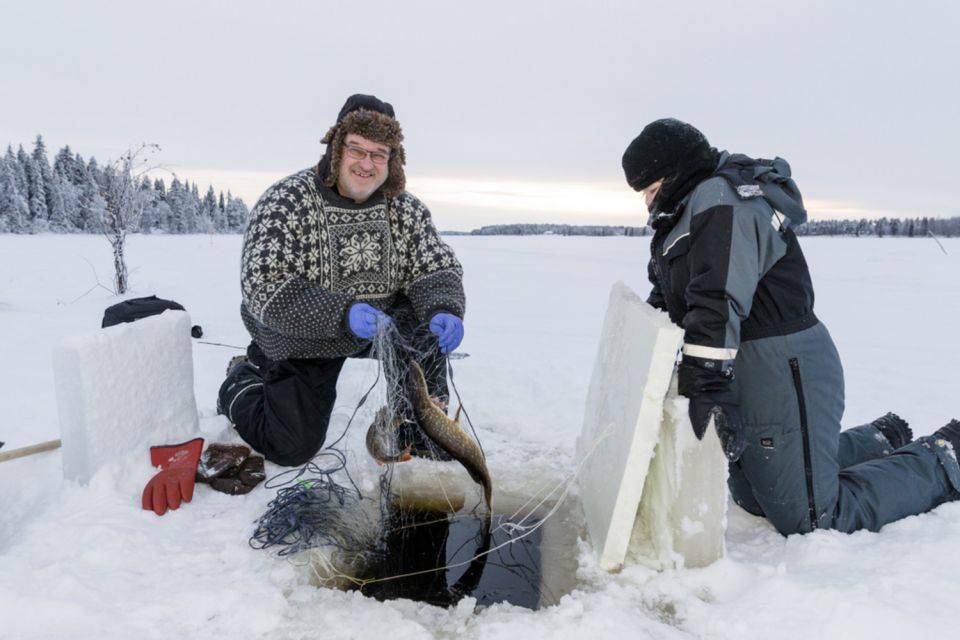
<point>693,379</point>
<point>185,454</point>
<point>716,360</point>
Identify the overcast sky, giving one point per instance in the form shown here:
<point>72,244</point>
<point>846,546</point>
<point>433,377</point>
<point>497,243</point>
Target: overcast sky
<point>512,111</point>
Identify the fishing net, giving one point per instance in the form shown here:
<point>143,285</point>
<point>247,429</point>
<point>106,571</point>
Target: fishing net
<point>351,539</point>
<point>320,505</point>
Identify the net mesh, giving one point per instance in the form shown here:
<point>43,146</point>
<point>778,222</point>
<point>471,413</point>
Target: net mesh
<point>320,504</point>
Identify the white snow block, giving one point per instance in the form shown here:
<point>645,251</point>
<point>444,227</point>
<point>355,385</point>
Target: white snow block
<point>624,409</point>
<point>683,512</point>
<point>123,389</point>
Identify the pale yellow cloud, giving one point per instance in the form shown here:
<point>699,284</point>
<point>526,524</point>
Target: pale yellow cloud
<point>585,198</point>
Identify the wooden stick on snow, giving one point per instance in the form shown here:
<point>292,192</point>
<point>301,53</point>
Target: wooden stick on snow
<point>49,445</point>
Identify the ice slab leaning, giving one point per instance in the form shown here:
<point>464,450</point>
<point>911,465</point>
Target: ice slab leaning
<point>641,487</point>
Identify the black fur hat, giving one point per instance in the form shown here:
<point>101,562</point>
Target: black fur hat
<point>369,117</point>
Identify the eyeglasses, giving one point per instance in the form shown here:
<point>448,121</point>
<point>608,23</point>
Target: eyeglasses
<point>359,153</point>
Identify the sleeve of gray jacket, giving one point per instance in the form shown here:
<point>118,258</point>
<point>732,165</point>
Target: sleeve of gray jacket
<point>732,244</point>
<point>275,271</point>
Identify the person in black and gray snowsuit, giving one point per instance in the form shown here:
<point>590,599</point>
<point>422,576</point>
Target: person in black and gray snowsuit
<point>331,255</point>
<point>726,266</point>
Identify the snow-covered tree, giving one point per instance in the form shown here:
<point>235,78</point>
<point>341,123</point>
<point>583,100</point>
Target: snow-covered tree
<point>56,216</point>
<point>20,171</point>
<point>93,205</point>
<point>71,196</point>
<point>124,205</point>
<point>210,212</point>
<point>14,212</point>
<point>176,201</point>
<point>236,213</point>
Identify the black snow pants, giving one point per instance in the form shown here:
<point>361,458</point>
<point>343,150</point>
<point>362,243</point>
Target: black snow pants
<point>286,417</point>
<point>799,470</point>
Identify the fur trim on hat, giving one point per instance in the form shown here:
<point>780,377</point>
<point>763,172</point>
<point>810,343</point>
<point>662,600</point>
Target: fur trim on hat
<point>376,127</point>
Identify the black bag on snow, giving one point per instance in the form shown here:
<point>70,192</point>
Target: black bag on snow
<point>137,308</point>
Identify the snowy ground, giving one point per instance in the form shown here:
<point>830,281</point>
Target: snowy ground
<point>87,562</point>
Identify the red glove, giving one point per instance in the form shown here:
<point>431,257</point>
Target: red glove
<point>174,482</point>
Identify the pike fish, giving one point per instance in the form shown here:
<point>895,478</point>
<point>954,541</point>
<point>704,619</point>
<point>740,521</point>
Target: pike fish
<point>380,436</point>
<point>447,434</point>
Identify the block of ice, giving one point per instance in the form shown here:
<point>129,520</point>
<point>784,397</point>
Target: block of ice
<point>624,410</point>
<point>123,389</point>
<point>683,512</point>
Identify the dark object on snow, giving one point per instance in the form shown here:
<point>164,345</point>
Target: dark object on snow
<point>895,429</point>
<point>242,479</point>
<point>220,458</point>
<point>137,308</point>
<point>229,468</point>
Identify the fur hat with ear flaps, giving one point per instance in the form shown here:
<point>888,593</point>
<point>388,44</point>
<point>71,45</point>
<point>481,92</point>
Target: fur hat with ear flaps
<point>373,119</point>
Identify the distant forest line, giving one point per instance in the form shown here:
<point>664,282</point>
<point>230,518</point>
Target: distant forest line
<point>72,195</point>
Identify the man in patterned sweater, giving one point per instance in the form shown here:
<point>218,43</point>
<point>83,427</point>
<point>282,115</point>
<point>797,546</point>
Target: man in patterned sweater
<point>330,255</point>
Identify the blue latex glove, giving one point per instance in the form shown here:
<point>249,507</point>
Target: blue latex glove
<point>364,320</point>
<point>449,330</point>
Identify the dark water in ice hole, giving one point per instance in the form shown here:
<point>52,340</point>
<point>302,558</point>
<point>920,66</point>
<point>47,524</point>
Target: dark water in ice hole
<point>440,549</point>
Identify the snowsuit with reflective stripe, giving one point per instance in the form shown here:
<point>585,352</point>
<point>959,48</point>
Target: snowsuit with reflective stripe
<point>730,272</point>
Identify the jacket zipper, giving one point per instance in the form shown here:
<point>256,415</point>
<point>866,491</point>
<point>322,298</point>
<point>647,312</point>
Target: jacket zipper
<point>805,436</point>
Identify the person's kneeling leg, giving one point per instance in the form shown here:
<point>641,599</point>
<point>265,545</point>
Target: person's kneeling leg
<point>286,417</point>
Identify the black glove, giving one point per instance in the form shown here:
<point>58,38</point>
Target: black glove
<point>711,397</point>
<point>229,468</point>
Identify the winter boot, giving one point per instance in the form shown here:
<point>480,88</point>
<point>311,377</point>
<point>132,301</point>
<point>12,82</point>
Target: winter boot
<point>895,429</point>
<point>241,377</point>
<point>951,433</point>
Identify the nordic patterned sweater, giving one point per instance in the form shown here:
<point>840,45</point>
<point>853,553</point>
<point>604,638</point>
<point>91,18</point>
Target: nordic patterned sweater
<point>309,253</point>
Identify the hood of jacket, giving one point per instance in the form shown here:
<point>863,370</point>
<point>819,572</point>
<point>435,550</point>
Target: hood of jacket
<point>767,179</point>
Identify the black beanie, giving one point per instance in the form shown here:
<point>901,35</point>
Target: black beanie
<point>664,149</point>
<point>363,101</point>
